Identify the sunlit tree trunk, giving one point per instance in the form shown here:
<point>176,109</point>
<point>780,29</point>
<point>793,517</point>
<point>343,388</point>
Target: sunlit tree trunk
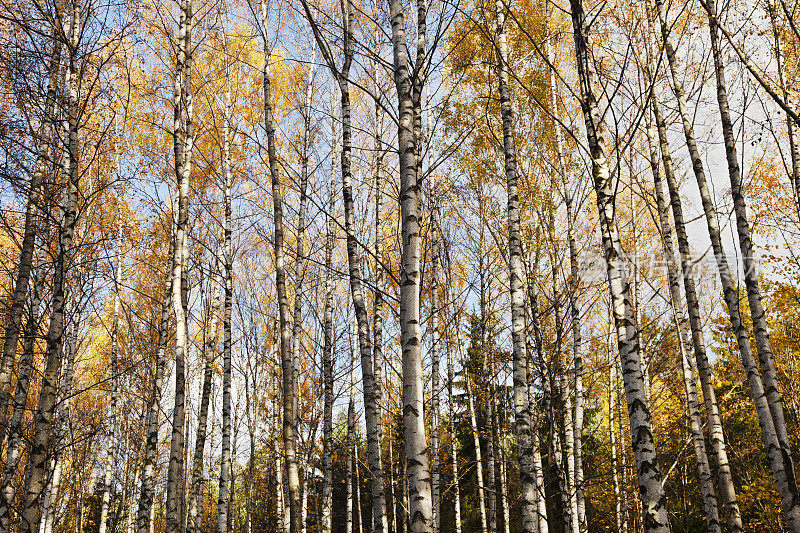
<point>225,493</point>
<point>522,415</point>
<point>453,441</point>
<point>183,141</point>
<point>147,492</point>
<point>473,423</point>
<point>16,440</point>
<point>790,496</point>
<point>727,490</point>
<point>196,480</point>
<point>110,459</point>
<point>409,91</point>
<point>692,401</point>
<point>62,428</point>
<point>326,505</point>
<point>41,446</point>
<point>780,464</point>
<point>290,405</point>
<point>21,280</point>
<point>651,491</point>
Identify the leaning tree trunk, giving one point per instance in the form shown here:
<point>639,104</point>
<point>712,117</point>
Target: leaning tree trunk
<point>727,490</point>
<point>16,439</point>
<point>651,491</point>
<point>781,467</point>
<point>692,401</point>
<point>183,139</point>
<point>790,497</point>
<point>290,415</point>
<point>409,90</point>
<point>41,447</point>
<point>522,412</point>
<point>14,319</point>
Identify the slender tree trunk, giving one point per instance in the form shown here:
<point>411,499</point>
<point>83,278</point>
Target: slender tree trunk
<point>409,90</point>
<point>183,141</point>
<point>378,307</point>
<point>300,263</point>
<point>145,507</point>
<point>477,445</point>
<point>225,494</point>
<point>453,443</point>
<point>196,479</point>
<point>326,505</point>
<point>488,400</point>
<point>16,441</point>
<point>25,264</point>
<point>790,496</point>
<point>692,401</point>
<point>502,479</point>
<point>62,427</point>
<point>351,446</point>
<point>533,331</point>
<point>39,457</point>
<point>727,490</point>
<point>522,412</point>
<point>105,498</point>
<point>290,415</point>
<point>696,425</point>
<point>613,441</point>
<point>780,462</point>
<point>371,409</point>
<point>651,491</point>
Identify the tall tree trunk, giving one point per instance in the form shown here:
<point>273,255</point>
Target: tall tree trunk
<point>790,496</point>
<point>473,423</point>
<point>692,401</point>
<point>612,402</point>
<point>62,427</point>
<point>780,463</point>
<point>351,446</point>
<point>409,90</point>
<point>453,443</point>
<point>651,491</point>
<point>522,412</point>
<point>196,479</point>
<point>105,498</point>
<point>371,409</point>
<point>16,440</point>
<point>183,140</point>
<point>488,400</point>
<point>146,497</point>
<point>536,351</point>
<point>300,262</point>
<point>225,492</point>
<point>290,414</point>
<point>21,280</point>
<point>39,457</point>
<point>326,505</point>
<point>378,305</point>
<point>727,490</point>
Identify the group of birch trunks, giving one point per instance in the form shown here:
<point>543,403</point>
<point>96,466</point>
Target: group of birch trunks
<point>402,266</point>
